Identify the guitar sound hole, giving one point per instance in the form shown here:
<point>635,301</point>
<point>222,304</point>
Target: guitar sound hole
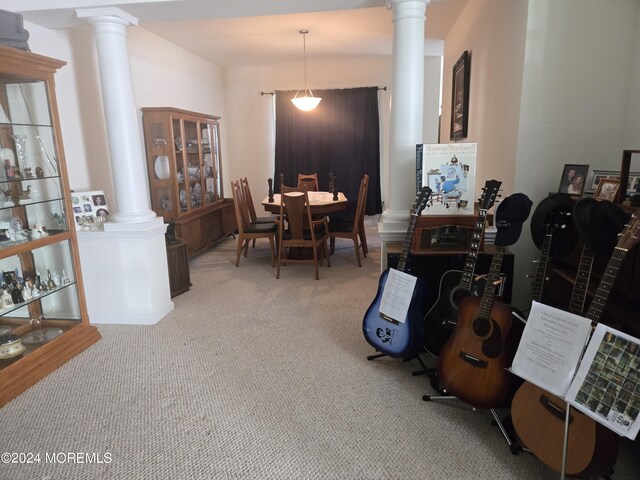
<point>481,327</point>
<point>455,297</point>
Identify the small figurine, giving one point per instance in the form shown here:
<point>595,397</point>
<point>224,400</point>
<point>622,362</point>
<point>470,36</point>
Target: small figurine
<point>50,283</point>
<point>16,292</point>
<point>64,280</point>
<point>39,172</point>
<point>38,285</point>
<point>270,182</point>
<point>5,299</point>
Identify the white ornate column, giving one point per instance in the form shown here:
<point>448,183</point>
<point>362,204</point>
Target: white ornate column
<point>125,267</point>
<point>406,118</point>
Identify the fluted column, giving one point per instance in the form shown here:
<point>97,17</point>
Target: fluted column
<point>406,117</point>
<point>125,143</point>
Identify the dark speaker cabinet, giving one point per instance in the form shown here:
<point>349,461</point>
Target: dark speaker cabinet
<point>178,264</point>
<point>431,267</point>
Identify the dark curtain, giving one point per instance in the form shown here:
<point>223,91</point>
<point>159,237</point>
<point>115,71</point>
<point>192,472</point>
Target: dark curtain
<point>342,136</point>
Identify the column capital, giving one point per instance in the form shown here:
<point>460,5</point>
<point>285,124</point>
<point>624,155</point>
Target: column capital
<point>107,14</point>
<point>409,3</point>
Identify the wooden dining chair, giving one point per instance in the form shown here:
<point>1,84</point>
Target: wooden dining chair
<point>246,192</point>
<point>250,231</point>
<point>353,229</point>
<point>300,230</point>
<point>309,180</point>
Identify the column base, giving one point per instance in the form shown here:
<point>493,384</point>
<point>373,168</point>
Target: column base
<point>125,273</point>
<point>392,229</point>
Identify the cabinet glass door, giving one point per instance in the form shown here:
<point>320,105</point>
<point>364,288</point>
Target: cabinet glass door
<point>39,295</point>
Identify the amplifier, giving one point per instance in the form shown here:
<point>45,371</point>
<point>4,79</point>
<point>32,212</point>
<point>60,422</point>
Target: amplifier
<point>436,234</point>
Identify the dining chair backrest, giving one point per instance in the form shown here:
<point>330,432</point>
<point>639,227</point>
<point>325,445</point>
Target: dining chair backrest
<point>309,180</point>
<point>362,202</point>
<point>242,215</point>
<point>246,195</point>
<point>294,202</point>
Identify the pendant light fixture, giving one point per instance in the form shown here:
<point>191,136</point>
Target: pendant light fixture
<point>307,101</point>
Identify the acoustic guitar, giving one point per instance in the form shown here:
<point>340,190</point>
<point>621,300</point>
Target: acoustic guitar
<point>539,417</point>
<point>389,336</point>
<point>472,363</point>
<point>442,317</point>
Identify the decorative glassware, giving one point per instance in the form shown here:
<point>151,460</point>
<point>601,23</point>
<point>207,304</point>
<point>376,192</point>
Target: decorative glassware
<point>21,143</point>
<point>43,155</point>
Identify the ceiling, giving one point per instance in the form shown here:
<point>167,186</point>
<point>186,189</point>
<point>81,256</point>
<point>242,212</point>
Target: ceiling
<point>233,33</point>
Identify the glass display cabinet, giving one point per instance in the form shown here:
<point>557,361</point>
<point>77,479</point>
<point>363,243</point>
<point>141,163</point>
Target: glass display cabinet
<point>43,315</point>
<point>185,176</point>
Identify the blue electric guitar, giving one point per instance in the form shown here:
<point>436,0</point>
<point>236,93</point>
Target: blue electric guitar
<point>388,336</point>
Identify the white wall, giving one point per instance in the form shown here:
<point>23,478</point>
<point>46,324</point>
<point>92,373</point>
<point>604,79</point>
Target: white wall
<point>578,86</point>
<point>251,117</point>
<point>493,31</point>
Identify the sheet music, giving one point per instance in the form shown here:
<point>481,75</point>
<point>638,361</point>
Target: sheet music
<point>397,294</point>
<point>552,343</point>
<point>607,385</point>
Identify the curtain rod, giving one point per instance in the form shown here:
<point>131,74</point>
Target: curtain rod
<point>273,93</point>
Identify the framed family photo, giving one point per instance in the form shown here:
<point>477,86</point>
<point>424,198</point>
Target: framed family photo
<point>460,97</point>
<point>574,179</point>
<point>607,189</point>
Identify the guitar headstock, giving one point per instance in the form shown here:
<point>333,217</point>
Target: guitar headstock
<point>631,233</point>
<point>489,194</point>
<point>422,198</point>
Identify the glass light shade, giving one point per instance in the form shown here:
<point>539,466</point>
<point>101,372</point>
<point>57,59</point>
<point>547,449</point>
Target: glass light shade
<point>306,103</point>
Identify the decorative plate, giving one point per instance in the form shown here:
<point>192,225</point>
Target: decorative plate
<point>161,167</point>
<point>40,335</point>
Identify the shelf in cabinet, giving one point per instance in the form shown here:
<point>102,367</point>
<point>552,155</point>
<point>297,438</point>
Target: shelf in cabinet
<point>19,124</point>
<point>16,247</point>
<point>28,202</point>
<point>42,295</point>
<point>29,179</point>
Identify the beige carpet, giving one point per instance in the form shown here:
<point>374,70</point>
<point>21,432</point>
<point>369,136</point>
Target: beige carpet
<point>256,378</point>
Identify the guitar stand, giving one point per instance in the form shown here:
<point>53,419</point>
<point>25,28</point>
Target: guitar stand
<point>417,357</point>
<point>505,425</point>
<point>506,430</point>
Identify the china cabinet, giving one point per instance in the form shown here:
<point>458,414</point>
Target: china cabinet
<point>43,314</point>
<point>185,176</point>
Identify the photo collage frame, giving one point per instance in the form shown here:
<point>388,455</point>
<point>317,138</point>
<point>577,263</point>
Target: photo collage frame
<point>90,209</point>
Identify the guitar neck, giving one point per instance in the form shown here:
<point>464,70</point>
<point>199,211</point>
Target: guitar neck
<point>606,283</point>
<point>492,283</point>
<point>579,294</point>
<point>541,270</point>
<point>472,256</point>
<point>402,263</point>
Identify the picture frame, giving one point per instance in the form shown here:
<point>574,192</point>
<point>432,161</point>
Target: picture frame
<point>607,189</point>
<point>632,186</point>
<point>460,97</point>
<point>90,209</point>
<point>573,179</point>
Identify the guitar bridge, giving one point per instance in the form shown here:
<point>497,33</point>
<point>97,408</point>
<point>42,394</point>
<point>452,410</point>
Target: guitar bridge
<point>470,359</point>
<point>389,319</point>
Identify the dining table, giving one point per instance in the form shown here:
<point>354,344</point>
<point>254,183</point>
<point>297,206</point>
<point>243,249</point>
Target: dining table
<point>321,203</point>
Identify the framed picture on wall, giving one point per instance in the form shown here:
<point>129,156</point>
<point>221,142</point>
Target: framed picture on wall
<point>460,97</point>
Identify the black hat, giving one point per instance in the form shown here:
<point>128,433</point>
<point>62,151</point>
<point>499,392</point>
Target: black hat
<point>598,224</point>
<point>512,212</point>
<point>554,215</point>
